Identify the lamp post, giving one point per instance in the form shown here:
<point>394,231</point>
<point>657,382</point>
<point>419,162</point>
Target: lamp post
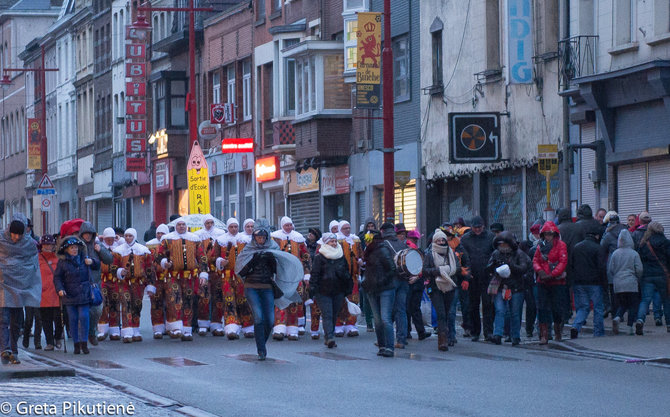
<point>389,151</point>
<point>41,91</point>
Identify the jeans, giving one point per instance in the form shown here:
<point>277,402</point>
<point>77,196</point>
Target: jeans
<point>584,295</point>
<point>10,327</point>
<point>462,297</point>
<point>414,309</point>
<point>94,316</point>
<point>552,301</point>
<point>262,302</point>
<point>78,316</point>
<point>365,307</point>
<point>648,286</point>
<point>382,309</point>
<point>658,306</point>
<point>329,306</point>
<point>630,302</point>
<point>442,302</point>
<point>531,309</point>
<point>513,307</point>
<point>400,310</point>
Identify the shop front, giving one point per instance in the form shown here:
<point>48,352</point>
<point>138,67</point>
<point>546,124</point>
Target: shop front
<point>304,200</point>
<point>335,192</point>
<point>231,185</point>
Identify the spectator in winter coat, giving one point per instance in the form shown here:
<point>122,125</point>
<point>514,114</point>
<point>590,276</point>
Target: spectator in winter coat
<point>380,286</point>
<point>73,283</point>
<point>654,251</point>
<point>329,283</point>
<point>98,254</point>
<point>529,246</point>
<point>508,265</point>
<point>440,266</point>
<point>608,244</point>
<point>401,286</point>
<point>632,223</point>
<point>644,219</point>
<point>462,280</point>
<point>50,313</point>
<point>549,262</point>
<point>415,294</point>
<point>589,280</point>
<point>624,268</point>
<point>478,243</point>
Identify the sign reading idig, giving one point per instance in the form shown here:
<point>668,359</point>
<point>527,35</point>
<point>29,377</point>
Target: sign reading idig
<point>520,41</point>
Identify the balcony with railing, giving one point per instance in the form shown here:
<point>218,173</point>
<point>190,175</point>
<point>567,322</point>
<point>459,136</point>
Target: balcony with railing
<point>577,58</point>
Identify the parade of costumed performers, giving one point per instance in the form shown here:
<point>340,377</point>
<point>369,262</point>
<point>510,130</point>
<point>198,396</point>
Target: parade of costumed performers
<point>20,283</point>
<point>271,278</point>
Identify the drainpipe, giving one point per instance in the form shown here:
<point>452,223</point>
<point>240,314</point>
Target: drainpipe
<point>564,24</point>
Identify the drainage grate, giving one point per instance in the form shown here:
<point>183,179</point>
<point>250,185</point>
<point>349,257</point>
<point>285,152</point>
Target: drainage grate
<point>177,361</point>
<point>332,356</point>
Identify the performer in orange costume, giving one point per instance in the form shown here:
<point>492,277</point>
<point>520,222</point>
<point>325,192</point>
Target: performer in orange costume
<point>160,282</point>
<point>353,253</point>
<point>208,235</point>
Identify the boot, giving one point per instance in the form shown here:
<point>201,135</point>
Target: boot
<point>544,333</point>
<point>77,348</point>
<point>442,341</point>
<point>84,348</point>
<point>558,332</point>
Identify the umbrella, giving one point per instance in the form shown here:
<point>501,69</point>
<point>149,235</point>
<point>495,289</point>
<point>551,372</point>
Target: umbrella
<point>197,221</point>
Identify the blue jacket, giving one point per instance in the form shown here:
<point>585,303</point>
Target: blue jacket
<point>73,276</point>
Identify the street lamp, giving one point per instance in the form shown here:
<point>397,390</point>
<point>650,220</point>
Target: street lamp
<point>5,82</point>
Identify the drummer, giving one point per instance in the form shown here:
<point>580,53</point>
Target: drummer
<point>402,286</point>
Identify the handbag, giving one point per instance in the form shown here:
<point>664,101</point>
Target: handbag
<point>96,295</point>
<point>665,269</point>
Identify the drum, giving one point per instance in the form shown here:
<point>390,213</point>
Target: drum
<point>409,261</point>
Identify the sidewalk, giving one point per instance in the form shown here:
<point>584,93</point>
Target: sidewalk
<point>31,368</point>
<point>654,344</point>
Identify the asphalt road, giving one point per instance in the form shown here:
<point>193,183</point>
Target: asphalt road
<point>305,378</point>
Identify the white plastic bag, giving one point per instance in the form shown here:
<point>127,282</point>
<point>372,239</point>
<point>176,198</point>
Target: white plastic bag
<point>353,308</point>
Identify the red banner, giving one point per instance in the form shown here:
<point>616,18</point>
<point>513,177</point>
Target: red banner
<point>34,141</point>
<point>237,145</point>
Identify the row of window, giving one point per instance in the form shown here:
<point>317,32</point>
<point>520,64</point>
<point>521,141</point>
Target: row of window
<point>14,133</point>
<point>231,80</point>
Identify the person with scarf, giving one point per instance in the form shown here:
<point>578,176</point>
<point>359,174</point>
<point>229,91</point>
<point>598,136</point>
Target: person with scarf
<point>20,284</point>
<point>49,305</point>
<point>462,280</point>
<point>549,262</point>
<point>110,316</point>
<point>353,255</point>
<point>654,250</point>
<point>230,311</point>
<point>330,281</point>
<point>133,266</point>
<point>440,267</point>
<point>181,254</point>
<point>508,265</point>
<point>73,284</point>
<point>271,277</point>
<point>160,282</point>
<point>208,235</point>
<point>287,321</point>
<point>380,287</point>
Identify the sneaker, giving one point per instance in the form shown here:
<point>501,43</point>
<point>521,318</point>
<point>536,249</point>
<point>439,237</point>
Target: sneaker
<point>387,353</point>
<point>380,352</point>
<point>639,325</point>
<point>659,322</point>
<point>615,325</point>
<point>574,333</point>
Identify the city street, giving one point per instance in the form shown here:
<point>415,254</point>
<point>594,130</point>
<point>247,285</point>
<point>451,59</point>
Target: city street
<point>223,378</point>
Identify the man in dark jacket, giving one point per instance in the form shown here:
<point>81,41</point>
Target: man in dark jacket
<point>571,235</point>
<point>99,254</point>
<point>151,232</point>
<point>478,243</point>
<point>369,226</point>
<point>401,287</point>
<point>589,280</point>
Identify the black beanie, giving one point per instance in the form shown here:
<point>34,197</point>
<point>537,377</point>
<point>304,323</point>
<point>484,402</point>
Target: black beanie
<point>17,227</point>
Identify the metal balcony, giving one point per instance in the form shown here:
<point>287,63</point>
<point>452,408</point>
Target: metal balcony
<point>577,58</point>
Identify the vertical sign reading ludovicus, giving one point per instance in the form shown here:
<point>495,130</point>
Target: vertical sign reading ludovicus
<point>137,39</point>
<point>520,41</point>
<point>198,181</point>
<point>368,60</point>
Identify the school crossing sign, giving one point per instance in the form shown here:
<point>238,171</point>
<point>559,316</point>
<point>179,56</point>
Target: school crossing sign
<point>198,181</point>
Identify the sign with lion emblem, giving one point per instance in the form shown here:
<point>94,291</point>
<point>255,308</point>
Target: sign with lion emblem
<point>368,63</point>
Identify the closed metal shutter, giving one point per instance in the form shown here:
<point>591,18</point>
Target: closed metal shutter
<point>105,215</point>
<point>659,193</point>
<point>459,199</point>
<point>304,210</point>
<point>361,208</point>
<point>504,200</point>
<point>588,164</point>
<point>631,189</point>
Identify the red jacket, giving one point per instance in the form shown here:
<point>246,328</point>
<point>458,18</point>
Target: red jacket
<point>49,295</point>
<point>558,257</point>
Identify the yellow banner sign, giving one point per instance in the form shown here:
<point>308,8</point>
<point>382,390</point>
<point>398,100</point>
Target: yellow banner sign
<point>547,159</point>
<point>34,144</point>
<point>368,65</point>
<point>198,182</point>
<point>304,181</point>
